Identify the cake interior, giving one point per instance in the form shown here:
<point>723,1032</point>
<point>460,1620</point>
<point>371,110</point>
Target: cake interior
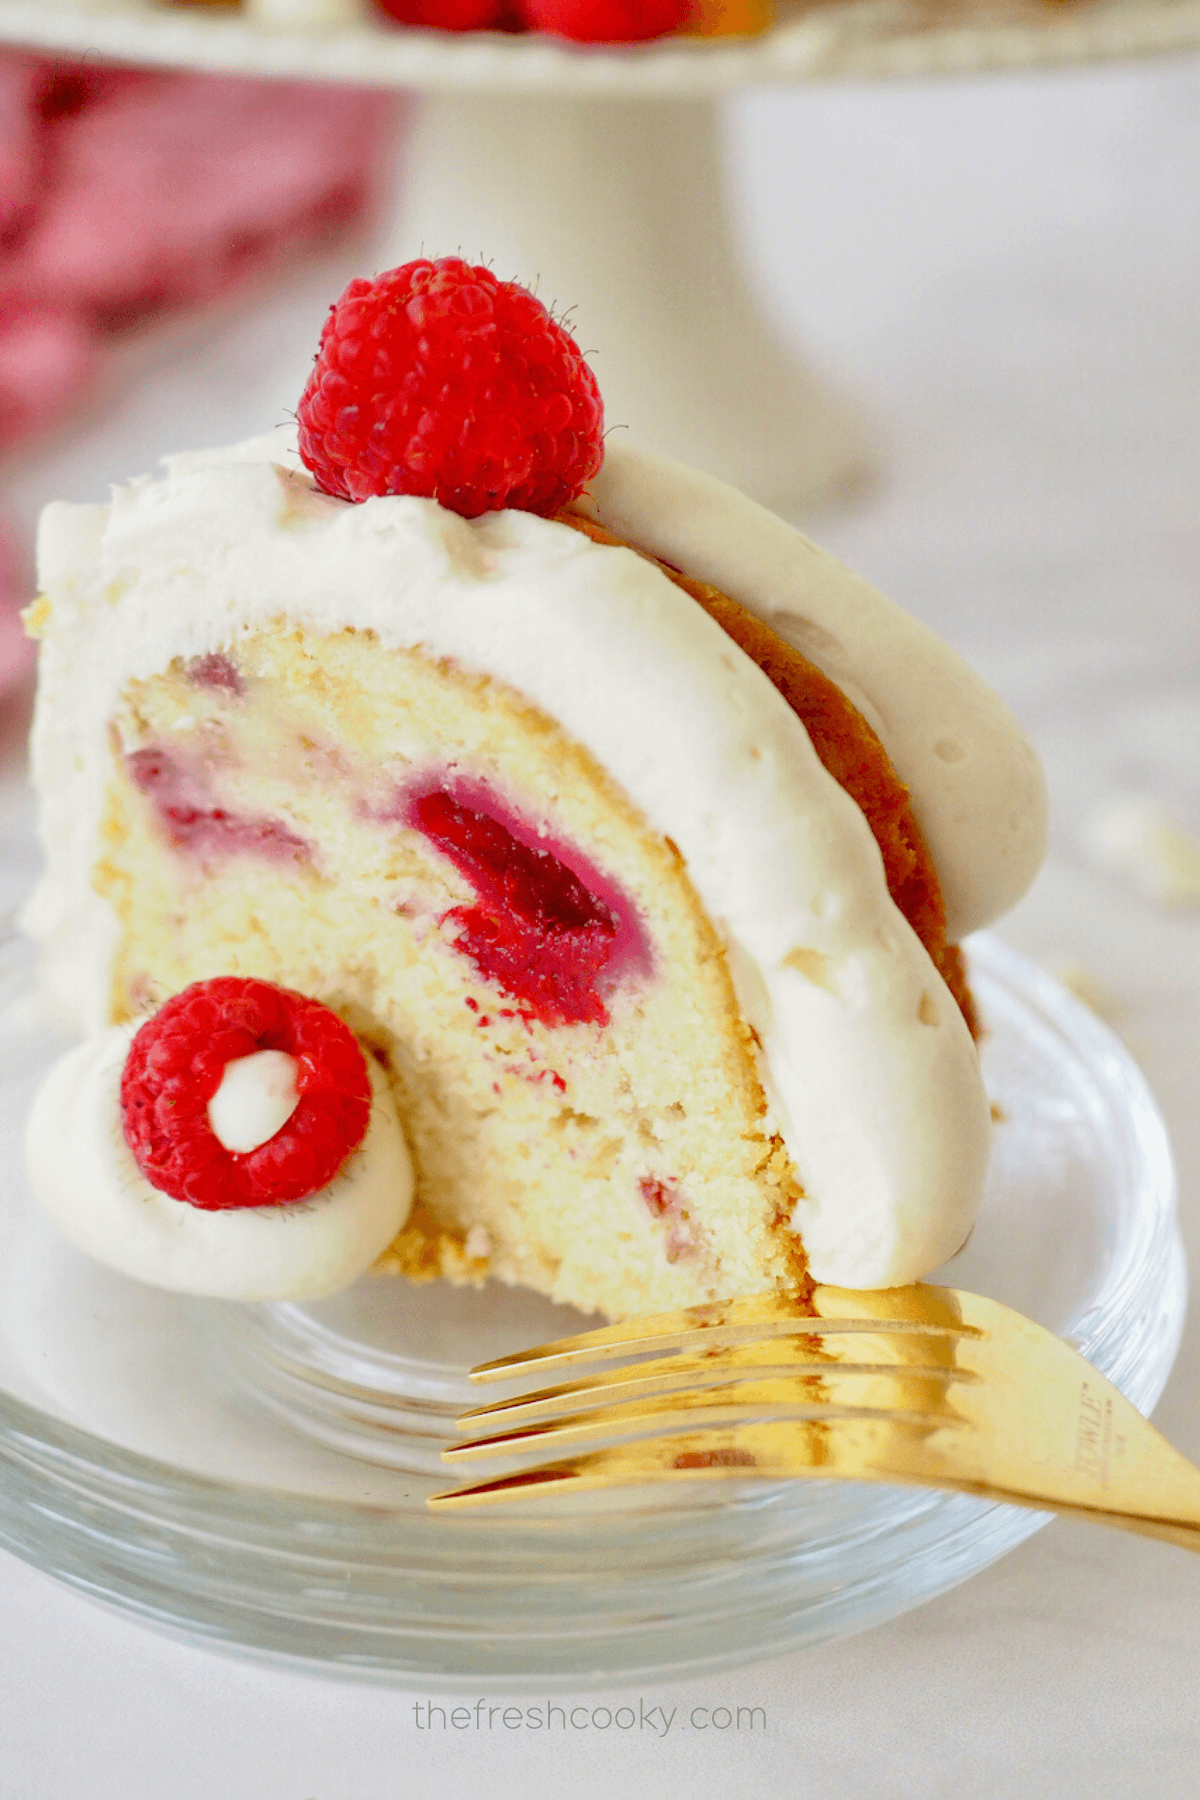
<point>427,853</point>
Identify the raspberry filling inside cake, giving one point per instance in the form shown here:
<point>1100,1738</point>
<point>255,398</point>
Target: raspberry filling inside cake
<point>548,928</point>
<point>183,799</point>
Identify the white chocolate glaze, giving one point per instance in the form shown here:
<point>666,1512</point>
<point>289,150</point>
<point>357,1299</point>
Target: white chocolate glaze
<point>84,1176</point>
<point>873,1077</point>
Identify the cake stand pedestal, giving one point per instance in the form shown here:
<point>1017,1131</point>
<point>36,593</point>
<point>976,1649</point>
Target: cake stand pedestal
<point>618,206</point>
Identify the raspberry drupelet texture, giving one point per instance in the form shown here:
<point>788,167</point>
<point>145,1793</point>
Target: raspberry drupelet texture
<point>450,15</point>
<point>175,1065</point>
<point>605,21</point>
<point>436,379</point>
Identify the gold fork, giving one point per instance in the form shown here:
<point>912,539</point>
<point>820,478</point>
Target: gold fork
<point>926,1386</point>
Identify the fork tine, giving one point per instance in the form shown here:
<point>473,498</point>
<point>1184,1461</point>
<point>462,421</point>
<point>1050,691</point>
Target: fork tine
<point>710,1326</point>
<point>779,1450</point>
<point>790,1358</point>
<point>919,1401</point>
<point>721,1322</point>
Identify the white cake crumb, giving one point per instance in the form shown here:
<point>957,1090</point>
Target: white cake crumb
<point>478,1245</point>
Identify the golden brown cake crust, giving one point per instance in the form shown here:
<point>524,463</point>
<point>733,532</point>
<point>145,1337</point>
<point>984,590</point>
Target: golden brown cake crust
<point>849,750</point>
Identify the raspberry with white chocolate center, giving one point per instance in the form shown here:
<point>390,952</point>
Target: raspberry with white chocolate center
<point>239,1093</point>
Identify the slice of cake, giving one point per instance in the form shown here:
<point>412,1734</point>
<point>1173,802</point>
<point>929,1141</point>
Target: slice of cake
<point>644,893</point>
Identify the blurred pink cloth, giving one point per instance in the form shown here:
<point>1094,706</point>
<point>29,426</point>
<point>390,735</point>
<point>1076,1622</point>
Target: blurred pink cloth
<point>15,648</point>
<point>126,194</point>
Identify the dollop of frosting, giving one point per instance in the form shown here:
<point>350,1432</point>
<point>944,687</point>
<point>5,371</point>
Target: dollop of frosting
<point>84,1177</point>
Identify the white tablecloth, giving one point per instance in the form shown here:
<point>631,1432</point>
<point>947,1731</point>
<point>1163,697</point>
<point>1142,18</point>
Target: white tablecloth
<point>1006,272</point>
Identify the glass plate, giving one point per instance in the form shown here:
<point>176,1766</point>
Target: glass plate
<point>254,1477</point>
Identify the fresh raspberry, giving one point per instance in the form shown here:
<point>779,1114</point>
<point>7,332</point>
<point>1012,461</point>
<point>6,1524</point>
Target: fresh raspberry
<point>605,21</point>
<point>450,15</point>
<point>174,1068</point>
<point>437,379</point>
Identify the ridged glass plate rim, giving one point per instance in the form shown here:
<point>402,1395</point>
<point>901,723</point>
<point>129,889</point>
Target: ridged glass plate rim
<point>387,1594</point>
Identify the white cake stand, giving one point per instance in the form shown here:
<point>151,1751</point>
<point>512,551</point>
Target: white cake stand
<point>549,162</point>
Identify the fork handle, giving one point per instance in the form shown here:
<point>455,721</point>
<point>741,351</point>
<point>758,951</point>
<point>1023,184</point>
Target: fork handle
<point>1169,1531</point>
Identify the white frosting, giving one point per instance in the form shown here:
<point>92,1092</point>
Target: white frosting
<point>84,1176</point>
<point>309,15</point>
<point>976,783</point>
<point>874,1078</point>
<point>256,1098</point>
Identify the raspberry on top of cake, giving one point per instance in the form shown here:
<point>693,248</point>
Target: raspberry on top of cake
<point>635,843</point>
